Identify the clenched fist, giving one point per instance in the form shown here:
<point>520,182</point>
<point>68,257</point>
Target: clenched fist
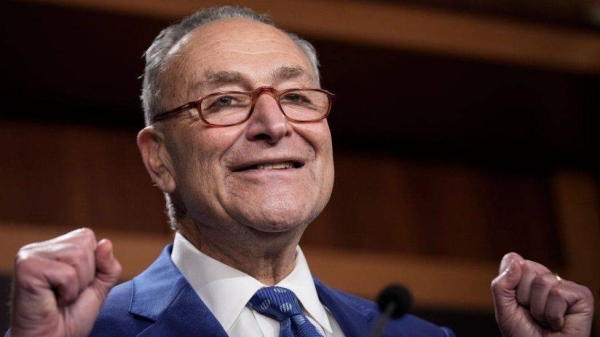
<point>60,285</point>
<point>531,301</point>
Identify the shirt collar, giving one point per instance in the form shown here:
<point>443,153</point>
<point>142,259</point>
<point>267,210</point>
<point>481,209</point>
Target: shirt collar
<point>226,290</point>
<point>300,281</point>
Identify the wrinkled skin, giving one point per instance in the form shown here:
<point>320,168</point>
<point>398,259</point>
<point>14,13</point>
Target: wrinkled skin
<point>531,301</point>
<point>250,219</point>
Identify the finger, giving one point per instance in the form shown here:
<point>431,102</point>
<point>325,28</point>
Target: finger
<point>75,248</point>
<point>580,308</point>
<point>531,270</point>
<point>64,282</point>
<point>52,246</point>
<point>90,300</point>
<point>540,269</point>
<point>540,288</point>
<point>47,277</point>
<point>80,257</point>
<point>108,268</point>
<point>41,288</point>
<point>504,288</point>
<point>75,236</point>
<point>556,308</point>
<point>48,280</point>
<point>524,287</point>
<point>507,259</point>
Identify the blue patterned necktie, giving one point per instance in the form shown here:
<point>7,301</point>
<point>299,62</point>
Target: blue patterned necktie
<point>281,304</point>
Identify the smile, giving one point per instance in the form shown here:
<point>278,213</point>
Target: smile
<point>275,166</point>
<point>272,165</point>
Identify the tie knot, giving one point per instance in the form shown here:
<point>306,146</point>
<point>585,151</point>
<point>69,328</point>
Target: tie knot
<point>281,304</point>
<point>276,302</point>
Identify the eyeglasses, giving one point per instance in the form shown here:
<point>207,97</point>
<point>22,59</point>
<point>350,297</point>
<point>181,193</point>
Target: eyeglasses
<point>235,107</point>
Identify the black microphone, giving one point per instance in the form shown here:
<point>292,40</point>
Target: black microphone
<point>394,302</point>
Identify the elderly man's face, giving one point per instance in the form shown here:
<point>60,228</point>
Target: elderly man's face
<point>268,174</point>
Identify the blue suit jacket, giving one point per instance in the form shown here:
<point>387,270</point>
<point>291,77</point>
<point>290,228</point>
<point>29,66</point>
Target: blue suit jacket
<point>160,302</point>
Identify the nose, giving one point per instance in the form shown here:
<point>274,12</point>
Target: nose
<point>267,121</point>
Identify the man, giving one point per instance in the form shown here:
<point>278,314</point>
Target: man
<point>244,169</point>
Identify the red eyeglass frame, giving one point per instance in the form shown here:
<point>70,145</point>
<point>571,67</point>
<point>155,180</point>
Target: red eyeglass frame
<point>254,95</point>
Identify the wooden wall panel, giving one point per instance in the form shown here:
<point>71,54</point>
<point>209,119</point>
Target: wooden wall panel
<point>94,177</point>
<point>76,176</point>
<point>389,219</point>
<point>400,26</point>
<point>360,273</point>
<point>389,204</point>
<point>578,212</point>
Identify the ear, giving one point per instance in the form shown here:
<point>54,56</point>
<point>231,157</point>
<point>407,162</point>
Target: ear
<point>156,158</point>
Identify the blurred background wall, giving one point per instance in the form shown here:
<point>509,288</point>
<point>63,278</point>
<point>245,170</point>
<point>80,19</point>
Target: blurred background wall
<point>462,130</point>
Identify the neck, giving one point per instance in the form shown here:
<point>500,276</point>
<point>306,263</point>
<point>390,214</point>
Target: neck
<point>268,257</point>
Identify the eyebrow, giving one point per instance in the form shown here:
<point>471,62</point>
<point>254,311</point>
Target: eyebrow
<point>290,73</point>
<point>215,79</point>
<point>224,77</point>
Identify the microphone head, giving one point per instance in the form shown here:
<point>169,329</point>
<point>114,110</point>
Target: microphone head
<point>398,295</point>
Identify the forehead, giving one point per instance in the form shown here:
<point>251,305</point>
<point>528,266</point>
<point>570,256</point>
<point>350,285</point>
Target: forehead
<point>253,49</point>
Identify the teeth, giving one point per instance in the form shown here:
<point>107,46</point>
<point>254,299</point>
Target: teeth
<point>275,166</point>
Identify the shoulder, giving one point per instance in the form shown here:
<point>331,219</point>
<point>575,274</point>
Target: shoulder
<point>114,318</point>
<point>135,305</point>
<point>363,306</point>
<point>407,325</point>
<point>411,325</point>
<point>118,315</point>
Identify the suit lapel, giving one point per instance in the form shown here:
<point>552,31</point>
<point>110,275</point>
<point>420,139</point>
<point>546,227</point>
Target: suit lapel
<point>161,294</point>
<point>354,323</point>
<point>186,316</point>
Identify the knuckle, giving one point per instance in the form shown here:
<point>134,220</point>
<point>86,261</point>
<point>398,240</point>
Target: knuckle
<point>496,285</point>
<point>82,236</point>
<point>526,266</point>
<point>25,261</point>
<point>70,278</point>
<point>70,273</point>
<point>21,257</point>
<point>89,240</point>
<point>30,246</point>
<point>587,293</point>
<point>540,282</point>
<point>79,253</point>
<point>555,292</point>
<point>88,233</point>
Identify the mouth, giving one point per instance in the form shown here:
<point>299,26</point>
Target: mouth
<point>283,165</point>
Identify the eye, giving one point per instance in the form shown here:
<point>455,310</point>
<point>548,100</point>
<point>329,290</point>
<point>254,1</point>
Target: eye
<point>295,98</point>
<point>220,101</point>
<point>225,101</point>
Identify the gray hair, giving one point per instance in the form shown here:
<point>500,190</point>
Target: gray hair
<point>168,37</point>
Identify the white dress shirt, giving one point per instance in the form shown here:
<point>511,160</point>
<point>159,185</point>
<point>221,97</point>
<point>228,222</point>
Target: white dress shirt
<point>226,292</point>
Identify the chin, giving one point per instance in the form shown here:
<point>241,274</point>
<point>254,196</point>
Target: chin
<point>279,223</point>
<point>277,220</point>
<point>276,212</point>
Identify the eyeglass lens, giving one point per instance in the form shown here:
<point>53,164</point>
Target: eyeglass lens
<point>231,108</point>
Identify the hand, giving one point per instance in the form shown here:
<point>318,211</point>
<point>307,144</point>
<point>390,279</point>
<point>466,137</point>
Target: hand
<point>60,285</point>
<point>532,301</point>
